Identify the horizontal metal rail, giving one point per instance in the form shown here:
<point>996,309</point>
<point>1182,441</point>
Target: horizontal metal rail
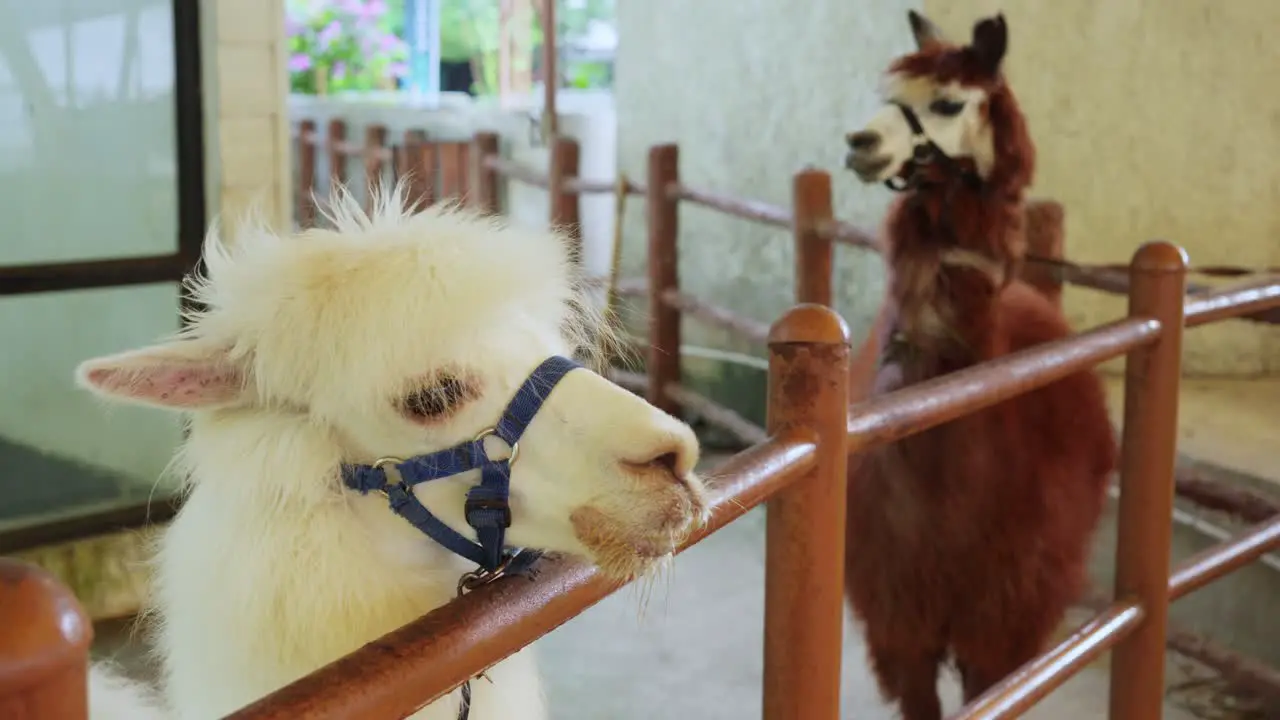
<point>1212,563</point>
<point>916,408</point>
<point>1236,301</point>
<point>1031,683</point>
<point>714,315</point>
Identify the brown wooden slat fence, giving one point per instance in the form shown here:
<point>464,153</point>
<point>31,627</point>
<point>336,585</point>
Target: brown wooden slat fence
<point>797,465</point>
<point>436,170</point>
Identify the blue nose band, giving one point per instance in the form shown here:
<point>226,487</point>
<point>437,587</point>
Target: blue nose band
<point>487,509</point>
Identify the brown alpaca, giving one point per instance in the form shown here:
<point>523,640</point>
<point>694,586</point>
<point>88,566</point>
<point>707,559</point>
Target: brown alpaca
<point>969,540</point>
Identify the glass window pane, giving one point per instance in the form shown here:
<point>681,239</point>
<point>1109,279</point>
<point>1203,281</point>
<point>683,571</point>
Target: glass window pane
<point>64,452</point>
<point>87,130</point>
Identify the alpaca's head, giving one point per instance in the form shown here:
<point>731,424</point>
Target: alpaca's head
<point>957,99</point>
<point>400,334</point>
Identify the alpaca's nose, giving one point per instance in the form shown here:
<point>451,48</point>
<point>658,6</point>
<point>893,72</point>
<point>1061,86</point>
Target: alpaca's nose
<point>863,141</point>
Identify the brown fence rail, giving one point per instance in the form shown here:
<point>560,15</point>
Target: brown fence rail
<point>797,463</point>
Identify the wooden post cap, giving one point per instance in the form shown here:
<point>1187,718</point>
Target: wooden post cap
<point>43,628</point>
<point>810,323</point>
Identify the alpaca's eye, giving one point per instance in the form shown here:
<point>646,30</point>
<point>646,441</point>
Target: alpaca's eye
<point>444,396</point>
<point>945,107</point>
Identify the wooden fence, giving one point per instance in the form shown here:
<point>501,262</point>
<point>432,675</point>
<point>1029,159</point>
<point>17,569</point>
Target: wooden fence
<point>797,466</point>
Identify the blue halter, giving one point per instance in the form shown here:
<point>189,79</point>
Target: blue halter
<point>487,509</point>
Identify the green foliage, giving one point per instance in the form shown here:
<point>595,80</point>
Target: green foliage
<point>588,75</point>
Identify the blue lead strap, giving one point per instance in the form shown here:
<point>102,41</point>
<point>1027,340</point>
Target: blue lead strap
<point>487,509</point>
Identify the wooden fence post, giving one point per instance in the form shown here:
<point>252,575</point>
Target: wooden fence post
<point>815,251</point>
<point>44,646</point>
<point>484,179</point>
<point>374,151</point>
<point>337,143</point>
<point>417,167</point>
<point>804,552</point>
<point>306,201</point>
<point>564,200</point>
<point>1145,525</point>
<point>663,366</point>
<point>1045,232</point>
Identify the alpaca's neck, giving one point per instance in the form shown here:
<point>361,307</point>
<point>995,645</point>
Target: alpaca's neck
<point>272,569</point>
<point>950,252</point>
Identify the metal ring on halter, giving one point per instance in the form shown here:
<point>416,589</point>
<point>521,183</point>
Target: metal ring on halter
<point>382,463</point>
<point>515,447</point>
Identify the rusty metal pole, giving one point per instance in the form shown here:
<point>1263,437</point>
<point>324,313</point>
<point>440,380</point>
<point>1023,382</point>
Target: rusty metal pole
<point>44,646</point>
<point>815,251</point>
<point>663,366</point>
<point>564,211</point>
<point>804,552</point>
<point>484,179</point>
<point>1158,275</point>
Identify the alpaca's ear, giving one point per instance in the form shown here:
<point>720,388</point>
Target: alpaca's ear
<point>990,41</point>
<point>924,31</point>
<point>177,375</point>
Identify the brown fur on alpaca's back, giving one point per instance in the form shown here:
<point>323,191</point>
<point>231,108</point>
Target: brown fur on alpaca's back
<point>972,538</point>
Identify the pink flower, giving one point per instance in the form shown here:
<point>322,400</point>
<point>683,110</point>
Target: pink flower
<point>389,43</point>
<point>299,63</point>
<point>330,33</point>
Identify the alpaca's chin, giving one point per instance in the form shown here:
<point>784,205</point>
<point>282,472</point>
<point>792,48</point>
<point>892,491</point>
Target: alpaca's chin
<point>623,551</point>
<point>623,567</point>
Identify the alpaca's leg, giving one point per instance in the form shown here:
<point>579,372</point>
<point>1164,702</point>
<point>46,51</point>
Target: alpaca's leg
<point>909,677</point>
<point>1006,649</point>
<point>975,681</point>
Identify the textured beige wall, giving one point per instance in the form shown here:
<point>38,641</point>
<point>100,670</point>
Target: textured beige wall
<point>752,91</point>
<point>1154,119</point>
<point>247,127</point>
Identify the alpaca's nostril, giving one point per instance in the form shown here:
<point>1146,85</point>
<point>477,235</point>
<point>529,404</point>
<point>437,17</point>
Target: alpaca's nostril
<point>863,141</point>
<point>667,461</point>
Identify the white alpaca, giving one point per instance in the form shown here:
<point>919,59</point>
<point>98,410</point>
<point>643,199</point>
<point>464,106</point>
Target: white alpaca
<point>396,334</point>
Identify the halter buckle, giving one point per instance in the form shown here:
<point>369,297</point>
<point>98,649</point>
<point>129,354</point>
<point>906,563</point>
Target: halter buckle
<point>483,503</point>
